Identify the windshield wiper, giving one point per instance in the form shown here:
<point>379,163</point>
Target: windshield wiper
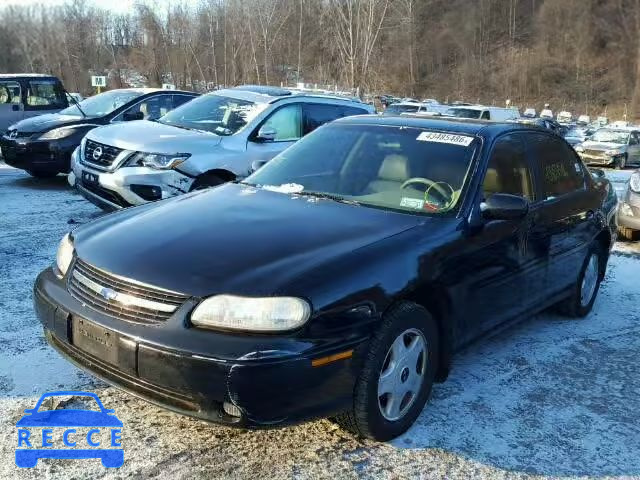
<point>329,196</point>
<point>76,103</point>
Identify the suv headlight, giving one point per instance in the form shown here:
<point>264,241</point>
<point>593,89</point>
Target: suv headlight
<point>634,182</point>
<point>613,153</point>
<point>64,255</point>
<point>57,133</point>
<point>268,314</point>
<point>157,160</point>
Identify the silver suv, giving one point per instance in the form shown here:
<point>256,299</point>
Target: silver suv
<point>617,147</point>
<point>219,137</point>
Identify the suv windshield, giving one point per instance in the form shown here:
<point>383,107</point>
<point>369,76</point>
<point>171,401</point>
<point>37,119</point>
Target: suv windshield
<point>103,103</point>
<point>464,112</point>
<point>394,168</point>
<point>214,113</point>
<point>610,136</point>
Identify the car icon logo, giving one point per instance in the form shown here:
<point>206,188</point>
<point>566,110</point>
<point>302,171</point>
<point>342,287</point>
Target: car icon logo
<point>81,436</point>
<point>13,134</point>
<point>108,293</point>
<point>97,153</point>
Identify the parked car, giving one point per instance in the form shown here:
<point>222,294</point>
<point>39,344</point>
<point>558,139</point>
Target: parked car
<point>529,113</point>
<point>406,107</point>
<point>564,117</point>
<point>337,280</point>
<point>546,113</point>
<point>612,147</point>
<point>43,145</point>
<point>27,95</point>
<point>219,137</point>
<point>496,114</point>
<point>629,208</point>
<point>584,120</point>
<point>577,135</point>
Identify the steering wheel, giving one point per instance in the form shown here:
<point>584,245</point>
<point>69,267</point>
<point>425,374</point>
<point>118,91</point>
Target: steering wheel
<point>430,185</point>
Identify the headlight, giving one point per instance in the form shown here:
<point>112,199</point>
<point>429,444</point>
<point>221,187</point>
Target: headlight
<point>579,148</point>
<point>269,314</point>
<point>57,133</point>
<point>64,255</point>
<point>613,153</point>
<point>634,182</point>
<point>157,160</point>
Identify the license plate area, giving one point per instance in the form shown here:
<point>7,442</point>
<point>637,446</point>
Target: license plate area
<point>88,177</point>
<point>95,340</point>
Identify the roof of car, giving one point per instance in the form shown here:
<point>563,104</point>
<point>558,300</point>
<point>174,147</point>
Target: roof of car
<point>467,126</point>
<point>265,94</point>
<point>26,75</point>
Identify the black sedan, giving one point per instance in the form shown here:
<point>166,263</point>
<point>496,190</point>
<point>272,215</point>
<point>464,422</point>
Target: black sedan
<point>339,279</point>
<point>43,145</point>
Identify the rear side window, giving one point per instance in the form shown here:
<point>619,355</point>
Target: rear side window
<point>317,114</point>
<point>286,122</point>
<point>45,95</point>
<point>560,170</point>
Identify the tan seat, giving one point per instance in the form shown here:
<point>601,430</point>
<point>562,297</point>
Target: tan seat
<point>491,183</point>
<point>393,172</point>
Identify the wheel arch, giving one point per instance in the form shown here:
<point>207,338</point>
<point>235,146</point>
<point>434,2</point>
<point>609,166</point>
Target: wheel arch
<point>226,175</point>
<point>604,240</point>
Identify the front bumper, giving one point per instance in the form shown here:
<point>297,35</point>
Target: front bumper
<point>603,160</point>
<point>35,155</point>
<point>127,186</point>
<point>269,379</point>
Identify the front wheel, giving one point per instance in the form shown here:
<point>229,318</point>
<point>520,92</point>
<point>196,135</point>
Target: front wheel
<point>585,290</point>
<point>621,162</point>
<point>42,174</point>
<point>206,181</point>
<point>397,376</point>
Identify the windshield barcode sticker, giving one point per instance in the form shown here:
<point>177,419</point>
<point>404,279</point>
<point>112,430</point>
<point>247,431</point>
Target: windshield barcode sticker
<point>411,203</point>
<point>462,140</point>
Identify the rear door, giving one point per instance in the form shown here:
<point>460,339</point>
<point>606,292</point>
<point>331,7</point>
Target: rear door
<point>11,106</point>
<point>565,216</point>
<point>44,95</point>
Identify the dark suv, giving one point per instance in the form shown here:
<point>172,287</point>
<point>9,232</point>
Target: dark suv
<point>338,279</point>
<point>43,145</point>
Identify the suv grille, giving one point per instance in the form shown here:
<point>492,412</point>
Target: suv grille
<point>595,153</point>
<point>100,155</point>
<point>121,298</point>
<point>17,134</point>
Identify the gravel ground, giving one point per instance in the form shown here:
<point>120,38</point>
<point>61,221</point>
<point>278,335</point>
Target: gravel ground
<point>548,398</point>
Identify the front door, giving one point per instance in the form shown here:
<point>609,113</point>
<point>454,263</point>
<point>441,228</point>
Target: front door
<point>11,108</point>
<point>498,268</point>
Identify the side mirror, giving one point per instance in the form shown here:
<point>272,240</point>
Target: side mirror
<point>129,116</point>
<point>257,164</point>
<point>597,172</point>
<point>266,134</point>
<point>502,206</point>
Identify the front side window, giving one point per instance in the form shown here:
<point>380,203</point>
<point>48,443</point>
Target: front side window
<point>389,167</point>
<point>151,108</point>
<point>214,114</point>
<point>45,94</point>
<point>103,103</point>
<point>560,169</point>
<point>287,123</point>
<point>508,171</point>
<point>10,93</point>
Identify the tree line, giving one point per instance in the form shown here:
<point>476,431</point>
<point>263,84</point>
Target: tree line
<point>579,55</point>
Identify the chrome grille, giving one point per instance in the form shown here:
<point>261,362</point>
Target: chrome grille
<point>100,155</point>
<point>595,153</point>
<point>121,298</point>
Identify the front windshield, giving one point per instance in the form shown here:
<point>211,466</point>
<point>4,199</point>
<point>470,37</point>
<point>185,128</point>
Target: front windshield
<point>214,114</point>
<point>610,136</point>
<point>464,112</point>
<point>395,168</point>
<point>103,103</point>
<point>397,109</point>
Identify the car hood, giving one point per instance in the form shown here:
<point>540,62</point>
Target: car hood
<point>152,137</point>
<point>42,123</point>
<point>232,239</point>
<point>602,145</point>
<point>69,418</point>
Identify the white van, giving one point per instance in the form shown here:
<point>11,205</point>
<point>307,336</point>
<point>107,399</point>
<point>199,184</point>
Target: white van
<point>495,114</point>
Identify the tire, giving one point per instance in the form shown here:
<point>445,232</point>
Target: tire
<point>41,174</point>
<point>621,163</point>
<point>373,416</point>
<point>206,181</point>
<point>575,305</point>
<point>627,233</point>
